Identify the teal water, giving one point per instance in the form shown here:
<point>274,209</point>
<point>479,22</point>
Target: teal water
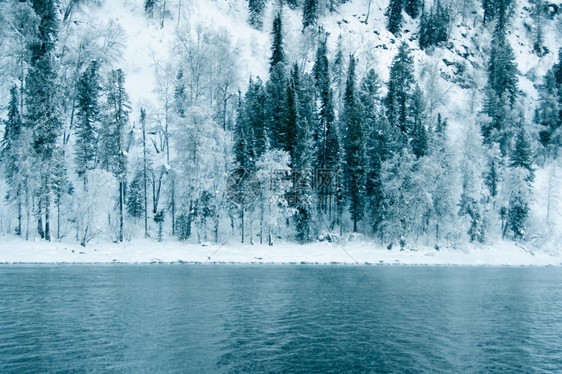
<point>293,318</point>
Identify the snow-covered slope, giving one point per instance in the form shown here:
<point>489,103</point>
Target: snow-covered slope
<point>453,76</point>
<point>458,67</point>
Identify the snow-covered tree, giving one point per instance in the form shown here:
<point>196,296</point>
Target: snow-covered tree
<point>309,13</point>
<point>88,117</point>
<point>400,89</point>
<point>112,137</point>
<point>394,16</point>
<point>14,154</point>
<point>277,50</point>
<point>354,148</point>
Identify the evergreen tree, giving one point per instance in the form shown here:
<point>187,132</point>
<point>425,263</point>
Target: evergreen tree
<point>292,112</point>
<point>434,26</point>
<point>502,69</point>
<point>400,89</point>
<point>354,148</point>
<point>519,189</point>
<point>244,155</point>
<point>538,45</point>
<point>254,114</point>
<point>113,136</point>
<point>13,157</point>
<point>88,115</point>
<point>394,16</point>
<point>375,133</point>
<point>490,9</point>
<point>420,140</point>
<point>135,201</point>
<point>43,111</point>
<point>326,134</point>
<point>492,178</point>
<point>256,8</point>
<point>277,52</point>
<point>413,7</point>
<point>302,160</point>
<point>180,94</point>
<point>149,7</point>
<point>309,13</point>
<point>338,71</point>
<point>549,113</point>
<point>293,4</point>
<point>276,107</point>
<point>502,90</point>
<point>522,154</point>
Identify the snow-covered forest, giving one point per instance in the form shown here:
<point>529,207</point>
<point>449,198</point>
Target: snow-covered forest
<point>402,121</point>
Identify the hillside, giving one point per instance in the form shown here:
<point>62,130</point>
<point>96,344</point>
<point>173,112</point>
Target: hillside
<point>210,49</point>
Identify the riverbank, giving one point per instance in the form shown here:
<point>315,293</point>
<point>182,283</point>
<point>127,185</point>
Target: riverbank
<point>13,250</point>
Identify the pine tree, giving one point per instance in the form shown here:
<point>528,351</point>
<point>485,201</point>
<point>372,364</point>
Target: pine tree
<point>43,111</point>
<point>293,4</point>
<point>326,134</point>
<point>502,69</point>
<point>519,197</point>
<point>256,8</point>
<point>375,147</point>
<point>302,159</point>
<point>276,107</point>
<point>13,157</point>
<point>490,9</point>
<point>254,114</point>
<point>420,140</point>
<point>434,26</point>
<point>400,89</point>
<point>113,136</point>
<point>413,7</point>
<point>309,13</point>
<point>244,154</point>
<point>538,44</point>
<point>277,51</point>
<point>394,16</point>
<point>149,7</point>
<point>354,148</point>
<point>88,116</point>
<point>501,91</point>
<point>492,178</point>
<point>338,70</point>
<point>135,201</point>
<point>549,113</point>
<point>522,155</point>
<point>292,112</point>
<point>180,94</point>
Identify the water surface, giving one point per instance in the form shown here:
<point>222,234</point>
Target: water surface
<point>291,318</point>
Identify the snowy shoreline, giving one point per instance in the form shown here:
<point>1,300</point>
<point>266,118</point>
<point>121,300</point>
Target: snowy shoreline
<point>16,251</point>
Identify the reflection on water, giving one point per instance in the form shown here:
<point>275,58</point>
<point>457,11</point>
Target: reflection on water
<point>179,318</point>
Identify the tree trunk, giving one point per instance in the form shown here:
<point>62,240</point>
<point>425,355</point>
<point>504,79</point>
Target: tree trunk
<point>121,209</point>
<point>144,179</point>
<point>47,219</point>
<point>27,210</point>
<point>58,217</point>
<point>242,225</point>
<point>18,229</point>
<point>173,204</point>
